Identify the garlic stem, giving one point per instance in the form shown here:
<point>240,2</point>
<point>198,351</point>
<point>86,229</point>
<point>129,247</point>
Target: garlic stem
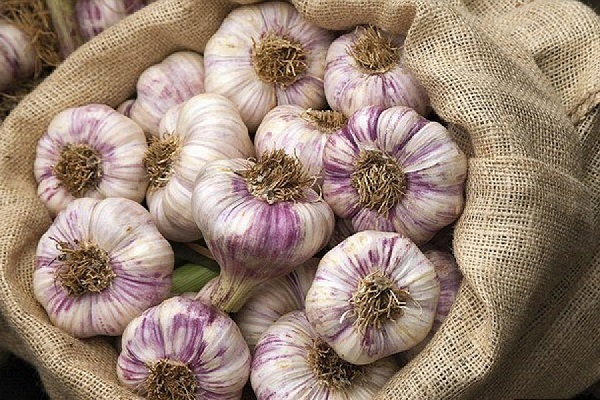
<point>191,278</point>
<point>65,25</point>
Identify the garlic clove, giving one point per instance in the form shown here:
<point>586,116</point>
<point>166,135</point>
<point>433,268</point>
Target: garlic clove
<point>204,128</point>
<point>201,347</point>
<point>375,294</point>
<point>93,277</point>
<point>90,151</point>
<point>393,170</point>
<point>274,299</point>
<point>244,59</point>
<point>293,362</point>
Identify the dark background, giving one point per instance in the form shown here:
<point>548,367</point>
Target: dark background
<point>19,380</point>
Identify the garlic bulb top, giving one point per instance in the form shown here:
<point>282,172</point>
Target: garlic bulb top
<point>393,170</point>
<point>267,54</point>
<point>18,59</point>
<point>292,362</point>
<point>274,299</point>
<point>99,265</point>
<point>300,132</point>
<point>375,294</point>
<point>177,78</point>
<point>259,219</point>
<point>184,349</point>
<point>90,151</point>
<point>94,16</point>
<point>205,127</point>
<point>366,67</point>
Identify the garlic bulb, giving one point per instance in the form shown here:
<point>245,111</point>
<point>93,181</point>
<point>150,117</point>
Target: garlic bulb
<point>374,295</point>
<point>18,59</point>
<point>184,349</point>
<point>274,299</point>
<point>99,265</point>
<point>90,151</point>
<point>176,79</point>
<point>450,278</point>
<point>260,220</point>
<point>292,362</point>
<point>94,16</point>
<point>204,128</point>
<point>267,54</point>
<point>300,132</point>
<point>366,67</point>
<point>393,170</point>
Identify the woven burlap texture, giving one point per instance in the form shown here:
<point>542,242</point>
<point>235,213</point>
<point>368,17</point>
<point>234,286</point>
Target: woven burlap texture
<point>517,83</point>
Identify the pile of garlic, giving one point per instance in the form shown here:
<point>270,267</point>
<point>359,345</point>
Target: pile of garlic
<point>298,160</point>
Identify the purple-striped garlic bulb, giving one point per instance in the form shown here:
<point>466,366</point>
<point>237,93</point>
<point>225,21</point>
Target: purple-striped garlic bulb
<point>292,362</point>
<point>393,170</point>
<point>274,299</point>
<point>366,67</point>
<point>18,59</point>
<point>300,132</point>
<point>204,128</point>
<point>90,151</point>
<point>264,55</point>
<point>184,349</point>
<point>94,16</point>
<point>260,220</point>
<point>179,77</point>
<point>450,279</point>
<point>374,295</point>
<point>99,265</point>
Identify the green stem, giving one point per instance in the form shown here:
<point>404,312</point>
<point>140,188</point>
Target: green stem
<point>191,278</point>
<point>186,252</point>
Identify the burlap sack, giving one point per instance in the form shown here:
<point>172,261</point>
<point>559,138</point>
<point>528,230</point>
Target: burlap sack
<point>517,81</point>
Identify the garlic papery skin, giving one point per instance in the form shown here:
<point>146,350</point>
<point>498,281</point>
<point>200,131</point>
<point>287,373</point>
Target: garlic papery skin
<point>292,362</point>
<point>265,55</point>
<point>300,132</point>
<point>374,295</point>
<point>18,59</point>
<point>393,170</point>
<point>274,299</point>
<point>450,278</point>
<point>94,16</point>
<point>90,151</point>
<point>184,349</point>
<point>99,265</point>
<point>260,220</point>
<point>366,67</point>
<point>204,128</point>
<point>179,77</point>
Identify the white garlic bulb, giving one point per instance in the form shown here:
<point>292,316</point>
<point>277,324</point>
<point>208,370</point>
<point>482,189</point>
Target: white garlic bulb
<point>292,362</point>
<point>99,265</point>
<point>366,67</point>
<point>204,128</point>
<point>176,79</point>
<point>184,349</point>
<point>18,59</point>
<point>94,16</point>
<point>375,294</point>
<point>274,299</point>
<point>90,151</point>
<point>267,54</point>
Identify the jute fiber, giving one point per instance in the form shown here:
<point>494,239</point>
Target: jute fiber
<point>517,82</point>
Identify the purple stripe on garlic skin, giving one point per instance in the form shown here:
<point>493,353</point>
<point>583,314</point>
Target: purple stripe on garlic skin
<point>274,299</point>
<point>94,16</point>
<point>209,128</point>
<point>119,142</point>
<point>433,166</point>
<point>179,77</point>
<point>282,367</point>
<point>194,334</point>
<point>339,275</point>
<point>140,257</point>
<point>348,88</point>
<point>230,50</point>
<point>18,59</point>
